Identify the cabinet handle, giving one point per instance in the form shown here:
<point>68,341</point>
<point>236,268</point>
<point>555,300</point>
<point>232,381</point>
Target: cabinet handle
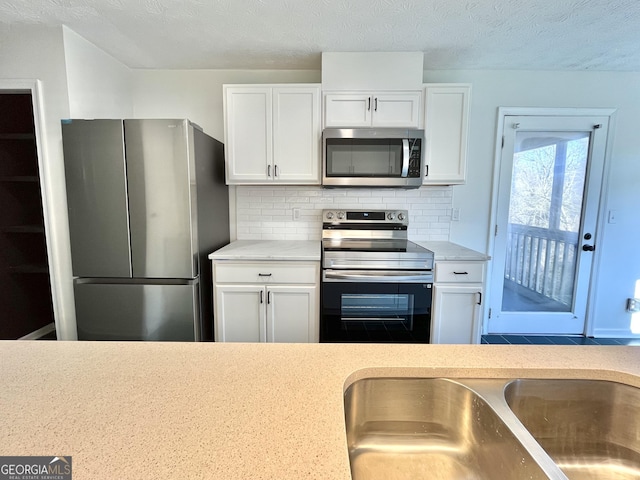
<point>275,171</point>
<point>369,104</point>
<point>264,274</point>
<point>375,105</point>
<point>461,273</point>
<point>261,296</point>
<point>268,297</point>
<point>479,298</point>
<point>268,170</point>
<point>426,170</point>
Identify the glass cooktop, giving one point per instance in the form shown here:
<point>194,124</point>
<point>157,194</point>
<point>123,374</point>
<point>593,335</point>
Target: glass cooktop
<point>372,245</point>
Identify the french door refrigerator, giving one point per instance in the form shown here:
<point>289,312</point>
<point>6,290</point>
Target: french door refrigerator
<point>147,203</point>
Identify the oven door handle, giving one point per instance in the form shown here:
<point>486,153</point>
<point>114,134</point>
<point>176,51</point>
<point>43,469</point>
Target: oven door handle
<point>405,158</point>
<point>387,276</point>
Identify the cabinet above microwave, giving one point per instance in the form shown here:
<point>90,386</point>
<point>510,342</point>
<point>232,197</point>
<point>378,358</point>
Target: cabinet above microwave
<point>398,109</point>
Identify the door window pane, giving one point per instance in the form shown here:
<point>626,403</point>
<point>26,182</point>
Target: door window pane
<point>545,214</point>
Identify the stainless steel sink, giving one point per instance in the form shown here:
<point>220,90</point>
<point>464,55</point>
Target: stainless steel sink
<point>590,428</point>
<point>432,428</point>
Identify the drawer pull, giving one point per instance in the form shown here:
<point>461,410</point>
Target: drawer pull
<point>461,273</point>
<point>264,274</point>
<point>479,298</point>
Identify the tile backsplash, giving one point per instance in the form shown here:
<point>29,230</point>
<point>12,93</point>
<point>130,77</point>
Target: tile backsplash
<point>267,213</point>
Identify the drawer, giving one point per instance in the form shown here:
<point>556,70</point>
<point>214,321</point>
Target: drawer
<point>459,272</point>
<point>266,272</point>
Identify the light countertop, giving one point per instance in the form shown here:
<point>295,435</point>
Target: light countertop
<point>448,251</point>
<point>310,250</point>
<point>140,410</point>
<point>284,250</point>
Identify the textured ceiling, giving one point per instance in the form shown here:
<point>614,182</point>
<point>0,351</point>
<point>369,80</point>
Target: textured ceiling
<point>453,34</point>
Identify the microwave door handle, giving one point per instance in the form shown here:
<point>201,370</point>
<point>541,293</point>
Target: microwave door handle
<point>405,158</point>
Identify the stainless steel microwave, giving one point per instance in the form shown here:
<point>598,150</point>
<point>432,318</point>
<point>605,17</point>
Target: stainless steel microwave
<point>372,157</point>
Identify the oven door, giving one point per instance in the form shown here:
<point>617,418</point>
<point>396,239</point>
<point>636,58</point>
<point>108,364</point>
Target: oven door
<point>376,307</point>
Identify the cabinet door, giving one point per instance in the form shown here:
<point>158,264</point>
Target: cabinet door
<point>445,127</point>
<point>347,110</point>
<point>240,313</point>
<point>455,313</point>
<point>292,314</point>
<point>296,135</point>
<point>396,110</point>
<point>248,134</point>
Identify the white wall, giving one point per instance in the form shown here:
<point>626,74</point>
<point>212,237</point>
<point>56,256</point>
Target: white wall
<point>619,257</point>
<point>197,94</point>
<point>99,86</point>
<point>38,53</point>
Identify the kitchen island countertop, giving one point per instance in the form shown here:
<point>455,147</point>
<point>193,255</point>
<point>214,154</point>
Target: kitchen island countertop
<point>232,411</point>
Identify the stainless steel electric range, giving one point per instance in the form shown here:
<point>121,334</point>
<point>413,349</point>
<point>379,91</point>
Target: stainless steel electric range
<point>376,284</point>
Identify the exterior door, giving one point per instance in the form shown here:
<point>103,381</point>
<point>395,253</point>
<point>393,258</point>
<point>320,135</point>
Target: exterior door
<point>545,234</point>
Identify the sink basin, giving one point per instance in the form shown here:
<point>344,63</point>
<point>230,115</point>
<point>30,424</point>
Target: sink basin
<point>590,428</point>
<point>432,428</point>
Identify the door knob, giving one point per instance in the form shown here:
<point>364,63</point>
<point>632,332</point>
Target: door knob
<point>588,248</point>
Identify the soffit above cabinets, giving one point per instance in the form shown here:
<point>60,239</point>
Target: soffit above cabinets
<point>374,71</point>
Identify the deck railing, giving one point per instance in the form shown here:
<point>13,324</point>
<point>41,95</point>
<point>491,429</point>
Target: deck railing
<point>542,261</point>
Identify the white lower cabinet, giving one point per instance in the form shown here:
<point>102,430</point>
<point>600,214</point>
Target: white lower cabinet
<point>266,302</point>
<point>457,302</point>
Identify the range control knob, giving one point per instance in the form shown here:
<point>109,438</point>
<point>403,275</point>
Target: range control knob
<point>329,215</point>
<point>340,215</point>
<point>401,216</point>
<point>390,216</point>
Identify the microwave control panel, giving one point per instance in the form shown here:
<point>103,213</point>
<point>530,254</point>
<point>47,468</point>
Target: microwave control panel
<point>415,160</point>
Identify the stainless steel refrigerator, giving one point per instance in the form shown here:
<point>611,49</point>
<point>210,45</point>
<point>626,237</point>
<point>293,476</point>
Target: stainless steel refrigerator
<point>147,204</point>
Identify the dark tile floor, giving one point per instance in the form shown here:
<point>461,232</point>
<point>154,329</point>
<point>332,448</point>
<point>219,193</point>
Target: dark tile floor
<point>555,340</point>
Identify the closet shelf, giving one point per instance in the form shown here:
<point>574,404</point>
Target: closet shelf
<point>23,229</point>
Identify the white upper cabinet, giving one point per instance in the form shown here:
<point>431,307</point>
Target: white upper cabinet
<point>446,119</point>
<point>371,109</point>
<point>248,134</point>
<point>372,89</point>
<point>272,134</point>
<point>296,134</point>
